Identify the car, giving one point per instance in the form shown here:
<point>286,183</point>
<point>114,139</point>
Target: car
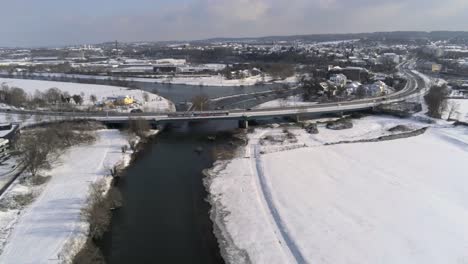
<point>135,111</point>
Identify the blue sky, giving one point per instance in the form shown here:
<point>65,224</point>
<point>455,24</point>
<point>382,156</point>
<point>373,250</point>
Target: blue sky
<point>59,22</point>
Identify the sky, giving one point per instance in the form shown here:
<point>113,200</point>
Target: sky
<point>64,22</point>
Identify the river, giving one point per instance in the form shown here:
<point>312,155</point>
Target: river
<point>165,218</point>
<point>177,93</point>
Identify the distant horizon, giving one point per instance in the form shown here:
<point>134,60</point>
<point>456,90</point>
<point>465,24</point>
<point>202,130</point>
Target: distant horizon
<point>32,23</point>
<point>236,37</point>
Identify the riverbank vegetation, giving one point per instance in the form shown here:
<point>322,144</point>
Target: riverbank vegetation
<point>38,148</point>
<point>104,196</point>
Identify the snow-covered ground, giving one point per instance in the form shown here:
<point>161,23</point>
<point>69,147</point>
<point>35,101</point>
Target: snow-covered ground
<point>215,80</point>
<point>400,201</point>
<point>295,100</point>
<point>38,233</point>
<point>8,169</point>
<point>219,80</point>
<point>461,112</point>
<point>461,109</point>
<point>155,103</point>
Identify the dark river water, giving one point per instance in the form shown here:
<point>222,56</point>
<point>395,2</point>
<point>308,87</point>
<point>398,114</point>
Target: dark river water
<point>165,218</point>
<point>177,93</point>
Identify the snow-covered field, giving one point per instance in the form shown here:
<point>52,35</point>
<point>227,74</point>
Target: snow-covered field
<point>295,100</point>
<point>215,80</point>
<point>155,103</point>
<point>400,201</point>
<point>461,112</point>
<point>219,80</point>
<point>38,233</point>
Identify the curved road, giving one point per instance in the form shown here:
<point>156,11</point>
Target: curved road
<point>413,87</point>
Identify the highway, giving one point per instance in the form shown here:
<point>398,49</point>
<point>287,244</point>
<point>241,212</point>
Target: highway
<point>412,89</point>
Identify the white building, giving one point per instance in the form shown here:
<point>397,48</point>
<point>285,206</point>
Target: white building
<point>376,89</point>
<point>351,88</point>
<point>339,79</point>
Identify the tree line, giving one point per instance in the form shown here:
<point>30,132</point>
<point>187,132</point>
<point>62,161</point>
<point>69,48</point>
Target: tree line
<point>17,97</point>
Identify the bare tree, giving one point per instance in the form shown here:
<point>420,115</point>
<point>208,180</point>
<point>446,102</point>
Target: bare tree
<point>132,143</point>
<point>146,97</point>
<point>201,103</point>
<point>78,99</point>
<point>139,127</point>
<point>34,153</point>
<point>65,97</point>
<point>38,99</point>
<point>53,95</point>
<point>93,98</point>
<point>361,92</point>
<point>283,102</point>
<point>452,109</point>
<point>113,171</point>
<point>124,149</point>
<point>24,117</point>
<point>97,211</point>
<point>436,100</point>
<point>38,148</point>
<point>12,96</point>
<point>17,97</point>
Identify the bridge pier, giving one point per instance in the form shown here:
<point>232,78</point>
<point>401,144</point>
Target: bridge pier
<point>243,124</point>
<point>296,118</point>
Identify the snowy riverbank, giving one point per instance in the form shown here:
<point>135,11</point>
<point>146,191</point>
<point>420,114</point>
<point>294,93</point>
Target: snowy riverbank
<point>212,80</point>
<point>155,102</point>
<point>400,201</point>
<point>290,101</point>
<point>39,232</point>
<point>219,80</point>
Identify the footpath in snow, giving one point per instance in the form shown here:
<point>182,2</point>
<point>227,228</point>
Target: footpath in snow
<point>53,219</point>
<point>399,201</point>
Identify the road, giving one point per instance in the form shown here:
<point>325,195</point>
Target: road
<point>412,89</point>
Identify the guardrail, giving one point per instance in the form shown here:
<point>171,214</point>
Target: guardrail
<point>409,90</point>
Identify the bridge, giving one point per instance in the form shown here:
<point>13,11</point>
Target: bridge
<point>412,88</point>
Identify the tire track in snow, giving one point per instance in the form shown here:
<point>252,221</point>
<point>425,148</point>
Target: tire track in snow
<point>268,198</point>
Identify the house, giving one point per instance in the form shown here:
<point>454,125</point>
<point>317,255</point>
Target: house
<point>351,88</point>
<point>353,73</point>
<point>376,89</point>
<point>124,100</point>
<point>116,101</point>
<point>338,79</point>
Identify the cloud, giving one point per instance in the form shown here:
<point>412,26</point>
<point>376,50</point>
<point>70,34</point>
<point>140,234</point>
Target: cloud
<point>241,10</point>
<point>447,9</point>
<point>31,22</point>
